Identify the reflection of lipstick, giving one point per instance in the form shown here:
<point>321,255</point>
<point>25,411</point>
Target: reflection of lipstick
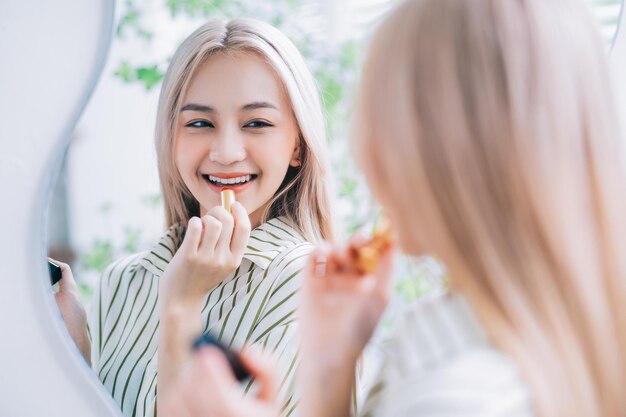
<point>228,198</point>
<point>368,255</point>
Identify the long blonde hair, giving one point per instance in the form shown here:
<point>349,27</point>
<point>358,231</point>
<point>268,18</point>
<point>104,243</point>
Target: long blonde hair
<point>491,124</point>
<point>304,197</point>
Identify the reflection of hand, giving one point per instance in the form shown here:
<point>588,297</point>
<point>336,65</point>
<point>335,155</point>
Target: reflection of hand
<point>72,310</point>
<point>339,310</point>
<point>208,388</point>
<point>212,249</point>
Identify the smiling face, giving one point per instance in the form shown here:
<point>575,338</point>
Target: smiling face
<point>236,130</point>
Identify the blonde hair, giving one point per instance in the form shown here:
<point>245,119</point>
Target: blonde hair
<point>496,138</point>
<point>304,197</point>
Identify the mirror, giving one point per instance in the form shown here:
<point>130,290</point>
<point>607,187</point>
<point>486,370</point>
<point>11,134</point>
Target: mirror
<point>51,62</point>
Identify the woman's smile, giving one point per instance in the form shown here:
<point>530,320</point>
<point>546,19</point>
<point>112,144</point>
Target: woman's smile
<point>237,181</point>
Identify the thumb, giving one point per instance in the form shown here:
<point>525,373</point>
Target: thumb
<point>261,367</point>
<point>67,283</point>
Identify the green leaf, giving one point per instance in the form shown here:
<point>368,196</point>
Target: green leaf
<point>348,186</point>
<point>348,55</point>
<point>125,72</point>
<point>149,76</point>
<point>100,255</point>
<point>331,89</point>
<point>85,290</point>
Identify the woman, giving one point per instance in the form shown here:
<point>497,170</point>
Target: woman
<point>238,111</point>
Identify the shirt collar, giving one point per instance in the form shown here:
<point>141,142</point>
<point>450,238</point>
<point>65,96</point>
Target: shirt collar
<point>265,243</point>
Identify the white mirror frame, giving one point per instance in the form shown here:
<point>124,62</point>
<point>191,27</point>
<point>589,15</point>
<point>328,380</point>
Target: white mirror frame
<point>52,54</point>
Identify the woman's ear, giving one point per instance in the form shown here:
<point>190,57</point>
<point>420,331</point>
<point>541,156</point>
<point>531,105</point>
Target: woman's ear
<point>295,157</point>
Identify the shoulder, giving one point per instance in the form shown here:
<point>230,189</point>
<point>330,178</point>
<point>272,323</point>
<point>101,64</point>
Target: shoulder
<point>439,362</point>
<point>123,271</point>
<point>478,382</point>
<point>289,250</point>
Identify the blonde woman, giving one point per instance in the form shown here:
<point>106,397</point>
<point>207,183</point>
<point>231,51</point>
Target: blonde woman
<point>487,130</point>
<point>238,110</point>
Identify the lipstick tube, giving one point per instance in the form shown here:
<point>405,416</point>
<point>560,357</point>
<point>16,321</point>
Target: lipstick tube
<point>228,198</point>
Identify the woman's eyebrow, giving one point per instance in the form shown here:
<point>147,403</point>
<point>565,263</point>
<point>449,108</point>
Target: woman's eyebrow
<point>259,105</point>
<point>197,107</point>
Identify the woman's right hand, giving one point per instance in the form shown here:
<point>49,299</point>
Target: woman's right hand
<point>339,310</point>
<point>339,304</point>
<point>72,310</point>
<point>211,250</point>
<point>208,388</point>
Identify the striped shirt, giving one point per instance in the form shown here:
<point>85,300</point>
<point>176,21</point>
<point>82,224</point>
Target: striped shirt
<point>254,305</point>
<point>439,363</point>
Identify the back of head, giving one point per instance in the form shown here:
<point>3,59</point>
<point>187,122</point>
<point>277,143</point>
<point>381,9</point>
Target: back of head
<point>304,198</point>
<point>496,135</point>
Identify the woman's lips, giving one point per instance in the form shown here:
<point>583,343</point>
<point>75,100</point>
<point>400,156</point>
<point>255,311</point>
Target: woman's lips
<point>237,188</point>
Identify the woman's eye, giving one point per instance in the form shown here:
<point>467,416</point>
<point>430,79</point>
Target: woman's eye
<point>258,124</point>
<point>199,123</point>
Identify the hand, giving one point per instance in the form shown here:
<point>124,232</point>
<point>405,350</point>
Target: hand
<point>72,310</point>
<point>339,310</point>
<point>208,388</point>
<point>340,307</point>
<point>211,250</point>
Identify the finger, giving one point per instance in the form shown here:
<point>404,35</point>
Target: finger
<point>212,228</point>
<point>384,271</point>
<point>241,234</point>
<point>213,372</point>
<point>193,235</point>
<point>343,261</point>
<point>67,283</point>
<point>316,266</point>
<point>261,367</point>
<point>342,264</point>
<point>222,246</point>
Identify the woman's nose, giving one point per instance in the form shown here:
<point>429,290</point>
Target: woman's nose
<point>228,148</point>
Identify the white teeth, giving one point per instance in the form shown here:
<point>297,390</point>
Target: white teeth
<point>228,181</point>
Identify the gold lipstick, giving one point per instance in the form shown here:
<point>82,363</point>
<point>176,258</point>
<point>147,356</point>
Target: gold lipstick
<point>368,255</point>
<point>228,198</point>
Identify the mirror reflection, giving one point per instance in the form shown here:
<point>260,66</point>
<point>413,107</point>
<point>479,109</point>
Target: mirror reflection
<point>248,118</point>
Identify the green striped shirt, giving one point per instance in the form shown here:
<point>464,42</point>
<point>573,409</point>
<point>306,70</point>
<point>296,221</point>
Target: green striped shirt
<point>254,305</point>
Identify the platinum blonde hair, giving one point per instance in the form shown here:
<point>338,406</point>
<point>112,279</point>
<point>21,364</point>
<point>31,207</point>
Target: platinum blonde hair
<point>496,139</point>
<point>304,197</point>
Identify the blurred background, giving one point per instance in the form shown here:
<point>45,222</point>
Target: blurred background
<point>107,201</point>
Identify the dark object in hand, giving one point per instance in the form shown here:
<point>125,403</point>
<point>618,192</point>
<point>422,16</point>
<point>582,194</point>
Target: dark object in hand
<point>55,272</point>
<point>241,373</point>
